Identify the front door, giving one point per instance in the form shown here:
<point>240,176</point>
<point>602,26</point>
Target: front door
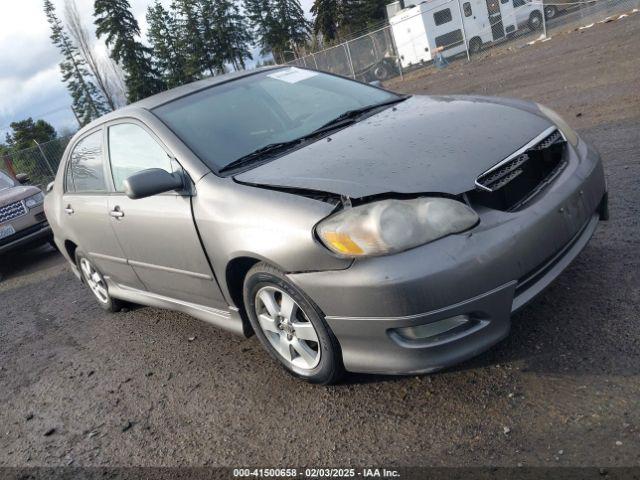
<point>157,234</point>
<point>86,208</point>
<point>495,19</point>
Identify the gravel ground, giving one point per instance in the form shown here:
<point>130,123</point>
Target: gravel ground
<point>79,386</point>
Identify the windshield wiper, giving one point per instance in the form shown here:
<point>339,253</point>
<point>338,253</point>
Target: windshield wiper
<point>266,151</point>
<point>271,149</point>
<point>351,116</point>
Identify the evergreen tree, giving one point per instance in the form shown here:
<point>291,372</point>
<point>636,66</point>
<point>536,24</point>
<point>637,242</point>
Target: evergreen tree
<point>24,132</point>
<point>279,24</point>
<point>87,102</point>
<point>191,35</point>
<point>117,24</point>
<point>326,17</point>
<point>226,32</point>
<point>168,50</point>
<point>356,16</point>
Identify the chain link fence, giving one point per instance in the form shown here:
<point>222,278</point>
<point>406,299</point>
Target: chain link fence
<point>437,32</point>
<point>39,163</point>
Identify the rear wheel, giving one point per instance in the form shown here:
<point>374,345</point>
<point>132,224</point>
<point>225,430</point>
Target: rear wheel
<point>550,11</point>
<point>92,277</point>
<point>290,326</point>
<point>535,21</point>
<point>475,45</point>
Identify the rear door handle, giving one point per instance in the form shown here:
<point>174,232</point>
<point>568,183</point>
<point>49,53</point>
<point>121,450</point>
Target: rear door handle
<point>69,210</point>
<point>116,213</point>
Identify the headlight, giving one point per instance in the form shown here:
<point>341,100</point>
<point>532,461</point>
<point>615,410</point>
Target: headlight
<point>34,200</point>
<point>390,226</point>
<point>567,131</point>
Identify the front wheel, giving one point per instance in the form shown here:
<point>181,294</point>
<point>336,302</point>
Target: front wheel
<point>290,326</point>
<point>92,277</point>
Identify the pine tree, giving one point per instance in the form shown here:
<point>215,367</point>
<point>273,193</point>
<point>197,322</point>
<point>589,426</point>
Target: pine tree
<point>198,63</point>
<point>326,15</point>
<point>356,16</point>
<point>168,50</point>
<point>225,32</point>
<point>120,28</point>
<point>279,24</point>
<point>87,102</point>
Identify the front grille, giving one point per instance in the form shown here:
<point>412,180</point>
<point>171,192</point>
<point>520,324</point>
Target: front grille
<point>11,211</point>
<point>512,183</point>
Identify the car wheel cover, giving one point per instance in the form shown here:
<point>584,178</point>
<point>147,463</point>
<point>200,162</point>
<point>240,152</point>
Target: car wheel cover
<point>287,328</point>
<point>94,280</point>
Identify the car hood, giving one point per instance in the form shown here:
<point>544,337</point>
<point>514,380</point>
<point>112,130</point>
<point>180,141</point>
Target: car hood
<point>13,194</point>
<point>424,144</point>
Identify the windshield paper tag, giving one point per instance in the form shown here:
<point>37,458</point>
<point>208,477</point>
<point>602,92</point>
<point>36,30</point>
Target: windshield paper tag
<point>292,75</point>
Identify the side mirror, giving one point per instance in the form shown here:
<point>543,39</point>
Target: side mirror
<point>152,182</point>
<point>22,178</point>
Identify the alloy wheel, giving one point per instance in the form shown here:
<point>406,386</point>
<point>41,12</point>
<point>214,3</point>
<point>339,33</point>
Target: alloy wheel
<point>95,280</point>
<point>287,328</point>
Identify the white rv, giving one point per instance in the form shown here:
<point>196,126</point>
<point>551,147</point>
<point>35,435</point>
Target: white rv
<point>420,30</point>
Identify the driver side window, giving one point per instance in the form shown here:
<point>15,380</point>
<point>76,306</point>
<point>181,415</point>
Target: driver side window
<point>131,150</point>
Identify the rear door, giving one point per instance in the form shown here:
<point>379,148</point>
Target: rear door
<point>157,234</point>
<point>495,19</point>
<point>86,217</point>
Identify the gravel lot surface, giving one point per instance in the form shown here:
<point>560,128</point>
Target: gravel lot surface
<point>81,386</point>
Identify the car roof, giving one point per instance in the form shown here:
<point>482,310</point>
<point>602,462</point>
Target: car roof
<point>161,98</point>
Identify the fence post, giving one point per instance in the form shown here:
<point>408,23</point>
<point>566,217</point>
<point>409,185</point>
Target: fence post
<point>348,52</point>
<point>313,55</point>
<point>464,31</point>
<point>395,49</point>
<point>544,21</point>
<point>46,160</point>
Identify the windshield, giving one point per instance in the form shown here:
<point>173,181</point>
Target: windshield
<point>5,181</point>
<point>229,121</point>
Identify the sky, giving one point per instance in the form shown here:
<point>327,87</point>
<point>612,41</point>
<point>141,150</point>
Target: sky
<point>30,80</point>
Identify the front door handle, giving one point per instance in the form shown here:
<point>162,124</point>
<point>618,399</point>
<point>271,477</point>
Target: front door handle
<point>116,213</point>
<point>69,210</point>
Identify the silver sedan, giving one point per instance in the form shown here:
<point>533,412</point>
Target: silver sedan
<point>348,227</point>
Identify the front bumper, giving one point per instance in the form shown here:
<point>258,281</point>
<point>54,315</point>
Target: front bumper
<point>484,274</point>
<point>30,236</point>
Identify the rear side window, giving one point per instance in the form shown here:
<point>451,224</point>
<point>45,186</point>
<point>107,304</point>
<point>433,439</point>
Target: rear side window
<point>466,6</point>
<point>443,16</point>
<point>131,150</point>
<point>85,172</point>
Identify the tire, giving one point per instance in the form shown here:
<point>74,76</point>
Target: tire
<point>381,72</point>
<point>475,45</point>
<point>297,337</point>
<point>92,277</point>
<point>535,21</point>
<point>550,11</point>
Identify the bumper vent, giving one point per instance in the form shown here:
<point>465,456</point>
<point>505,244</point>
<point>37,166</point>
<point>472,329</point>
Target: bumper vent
<point>510,184</point>
<point>11,211</point>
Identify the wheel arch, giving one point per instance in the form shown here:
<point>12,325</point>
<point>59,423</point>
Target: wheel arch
<point>235,273</point>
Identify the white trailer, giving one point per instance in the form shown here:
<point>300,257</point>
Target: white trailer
<point>450,25</point>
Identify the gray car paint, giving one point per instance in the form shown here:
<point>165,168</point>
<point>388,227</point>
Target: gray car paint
<point>235,219</point>
<point>411,148</point>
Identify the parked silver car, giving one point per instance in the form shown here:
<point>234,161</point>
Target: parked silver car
<point>347,226</point>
